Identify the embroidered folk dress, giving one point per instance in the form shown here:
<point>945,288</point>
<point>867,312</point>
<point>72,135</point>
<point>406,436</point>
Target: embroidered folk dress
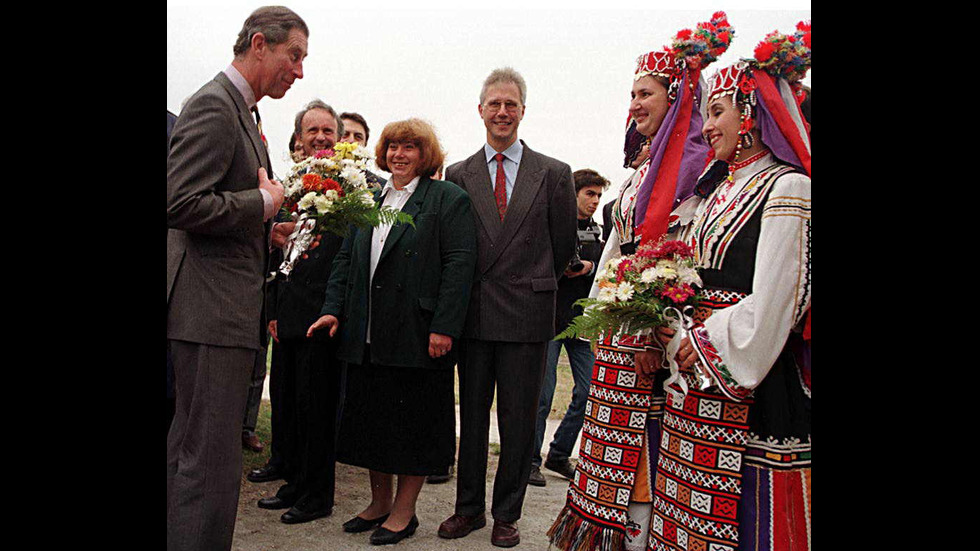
<point>620,433</point>
<point>733,470</point>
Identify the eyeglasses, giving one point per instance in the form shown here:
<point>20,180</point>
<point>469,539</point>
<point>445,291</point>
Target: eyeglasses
<point>510,106</point>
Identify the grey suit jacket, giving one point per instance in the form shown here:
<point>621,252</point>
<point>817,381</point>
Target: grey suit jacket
<point>216,242</point>
<point>520,258</point>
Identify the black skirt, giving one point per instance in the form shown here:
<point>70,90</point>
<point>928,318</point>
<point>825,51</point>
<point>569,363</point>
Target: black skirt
<point>398,420</point>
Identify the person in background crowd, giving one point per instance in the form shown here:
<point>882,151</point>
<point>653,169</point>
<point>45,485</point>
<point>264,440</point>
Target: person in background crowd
<point>356,131</point>
<point>575,284</point>
<point>525,202</point>
<point>402,293</point>
<point>635,164</point>
<point>220,203</point>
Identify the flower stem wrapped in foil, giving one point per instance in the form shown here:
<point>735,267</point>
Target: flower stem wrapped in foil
<point>298,242</point>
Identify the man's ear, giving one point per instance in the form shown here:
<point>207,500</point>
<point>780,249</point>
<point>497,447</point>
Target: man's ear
<point>259,44</point>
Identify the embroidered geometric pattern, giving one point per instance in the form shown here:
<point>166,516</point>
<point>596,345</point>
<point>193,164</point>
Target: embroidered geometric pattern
<point>612,435</point>
<point>789,453</point>
<point>698,480</point>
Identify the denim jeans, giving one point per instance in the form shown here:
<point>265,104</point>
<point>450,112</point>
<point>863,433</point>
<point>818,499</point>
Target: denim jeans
<point>581,359</point>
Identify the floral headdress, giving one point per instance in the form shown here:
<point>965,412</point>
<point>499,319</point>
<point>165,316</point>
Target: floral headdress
<point>677,151</point>
<point>689,50</point>
<point>767,91</point>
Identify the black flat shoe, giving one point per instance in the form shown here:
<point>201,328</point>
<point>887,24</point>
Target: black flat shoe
<point>384,536</point>
<point>297,516</point>
<point>357,525</point>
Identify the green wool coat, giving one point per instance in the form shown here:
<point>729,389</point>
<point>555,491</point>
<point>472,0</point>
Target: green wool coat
<point>421,284</point>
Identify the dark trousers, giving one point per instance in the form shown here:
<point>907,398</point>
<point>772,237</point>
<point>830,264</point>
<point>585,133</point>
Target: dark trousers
<point>516,370</point>
<point>204,448</point>
<point>580,358</point>
<point>311,386</point>
<point>255,392</point>
<point>281,413</point>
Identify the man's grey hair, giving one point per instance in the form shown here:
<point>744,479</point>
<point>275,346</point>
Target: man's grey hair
<point>274,22</point>
<point>317,104</point>
<point>502,75</point>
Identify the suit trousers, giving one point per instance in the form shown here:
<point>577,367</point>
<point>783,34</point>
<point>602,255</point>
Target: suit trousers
<point>255,392</point>
<point>312,381</point>
<point>516,370</point>
<point>204,448</point>
<point>281,413</point>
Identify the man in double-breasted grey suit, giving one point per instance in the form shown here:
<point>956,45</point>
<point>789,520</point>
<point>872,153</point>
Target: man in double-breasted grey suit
<point>526,228</point>
<point>220,202</point>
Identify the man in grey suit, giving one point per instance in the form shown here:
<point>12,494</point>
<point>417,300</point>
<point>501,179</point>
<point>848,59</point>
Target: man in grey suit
<point>525,206</point>
<point>220,203</point>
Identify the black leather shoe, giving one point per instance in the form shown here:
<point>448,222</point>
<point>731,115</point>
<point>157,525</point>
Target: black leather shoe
<point>275,502</point>
<point>357,525</point>
<point>536,478</point>
<point>297,516</point>
<point>265,473</point>
<point>563,467</point>
<point>384,536</point>
<point>440,478</point>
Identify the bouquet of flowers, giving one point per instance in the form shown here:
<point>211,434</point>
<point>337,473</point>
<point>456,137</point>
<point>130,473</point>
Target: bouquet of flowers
<point>638,292</point>
<point>328,192</point>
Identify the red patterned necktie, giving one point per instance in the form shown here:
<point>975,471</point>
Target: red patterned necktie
<point>500,188</point>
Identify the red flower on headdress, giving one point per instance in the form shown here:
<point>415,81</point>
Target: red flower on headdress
<point>764,51</point>
<point>725,37</point>
<point>684,34</point>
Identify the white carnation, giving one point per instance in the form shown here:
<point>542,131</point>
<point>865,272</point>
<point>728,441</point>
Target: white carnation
<point>307,201</point>
<point>324,203</point>
<point>649,275</point>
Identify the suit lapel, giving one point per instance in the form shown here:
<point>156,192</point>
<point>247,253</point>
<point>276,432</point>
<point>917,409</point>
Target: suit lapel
<point>480,190</point>
<point>412,208</point>
<point>529,179</point>
<point>247,121</point>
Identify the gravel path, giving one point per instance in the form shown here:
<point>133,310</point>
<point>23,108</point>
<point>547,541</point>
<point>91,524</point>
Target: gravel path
<point>260,529</point>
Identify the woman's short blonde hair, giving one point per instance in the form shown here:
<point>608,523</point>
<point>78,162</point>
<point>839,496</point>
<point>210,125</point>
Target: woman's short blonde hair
<point>415,131</point>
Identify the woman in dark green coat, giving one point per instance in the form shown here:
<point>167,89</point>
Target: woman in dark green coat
<point>397,296</point>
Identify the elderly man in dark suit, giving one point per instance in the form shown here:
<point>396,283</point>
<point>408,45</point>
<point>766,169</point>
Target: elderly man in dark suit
<point>220,203</point>
<point>525,206</point>
<point>306,375</point>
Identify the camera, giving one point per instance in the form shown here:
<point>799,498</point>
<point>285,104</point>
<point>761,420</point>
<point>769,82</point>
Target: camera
<point>588,235</point>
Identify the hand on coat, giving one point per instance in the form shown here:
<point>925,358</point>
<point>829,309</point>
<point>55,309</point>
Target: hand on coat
<point>274,188</point>
<point>439,345</point>
<point>328,321</point>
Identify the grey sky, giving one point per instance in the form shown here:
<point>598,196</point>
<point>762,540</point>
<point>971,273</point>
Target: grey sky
<point>429,61</point>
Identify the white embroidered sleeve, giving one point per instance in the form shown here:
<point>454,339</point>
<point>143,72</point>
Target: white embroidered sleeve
<point>748,337</point>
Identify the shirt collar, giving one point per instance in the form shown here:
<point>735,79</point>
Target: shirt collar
<point>514,152</point>
<point>241,85</point>
<point>408,188</point>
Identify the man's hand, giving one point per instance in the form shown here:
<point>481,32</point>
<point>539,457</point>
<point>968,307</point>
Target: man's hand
<point>274,188</point>
<point>439,345</point>
<point>586,268</point>
<point>328,321</point>
<point>274,330</point>
<point>281,231</point>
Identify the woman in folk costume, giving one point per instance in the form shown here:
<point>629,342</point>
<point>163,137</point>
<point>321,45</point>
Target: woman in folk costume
<point>734,464</point>
<point>609,498</point>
